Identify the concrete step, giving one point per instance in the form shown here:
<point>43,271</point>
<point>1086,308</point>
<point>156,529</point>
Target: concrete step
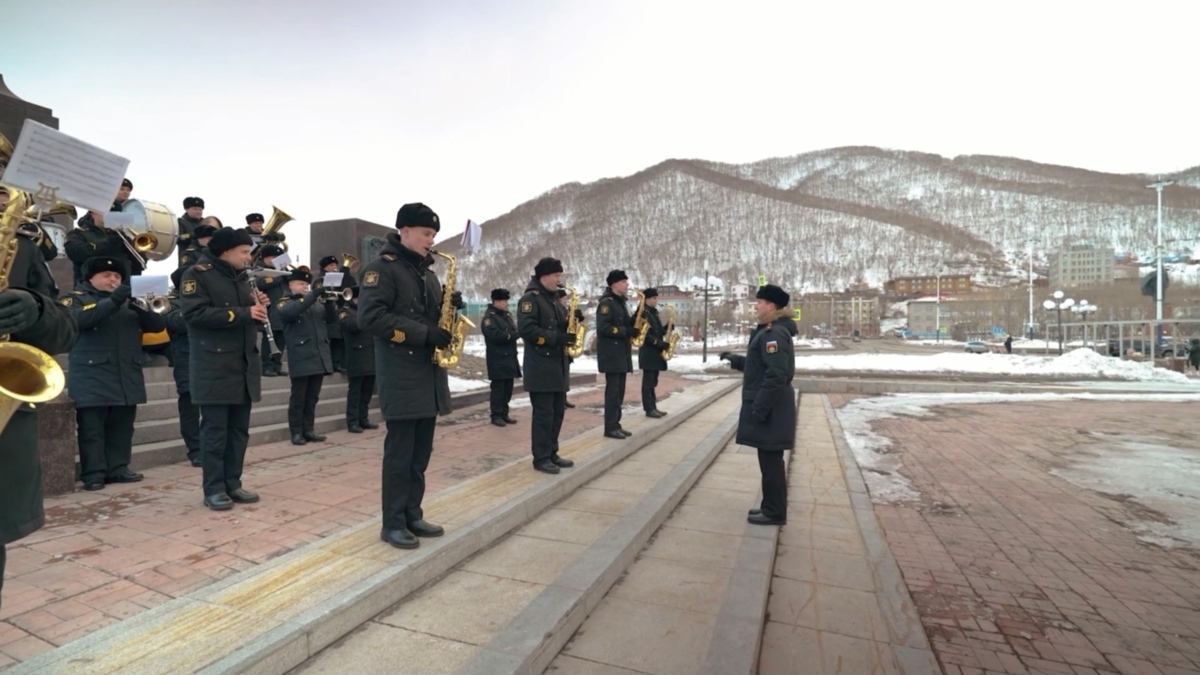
<point>164,408</point>
<point>273,617</point>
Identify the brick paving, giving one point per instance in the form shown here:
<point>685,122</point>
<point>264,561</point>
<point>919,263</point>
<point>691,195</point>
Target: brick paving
<point>1015,570</point>
<point>108,555</point>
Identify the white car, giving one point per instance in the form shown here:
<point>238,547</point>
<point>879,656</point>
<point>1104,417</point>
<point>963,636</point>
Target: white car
<point>977,347</point>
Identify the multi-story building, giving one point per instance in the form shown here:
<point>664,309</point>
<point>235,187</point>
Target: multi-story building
<point>911,286</point>
<point>841,313</point>
<point>740,291</point>
<point>1082,264</point>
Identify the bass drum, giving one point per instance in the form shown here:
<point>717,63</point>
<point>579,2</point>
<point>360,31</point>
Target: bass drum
<point>155,228</point>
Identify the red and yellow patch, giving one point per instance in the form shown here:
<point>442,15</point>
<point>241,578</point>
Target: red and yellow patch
<point>772,347</point>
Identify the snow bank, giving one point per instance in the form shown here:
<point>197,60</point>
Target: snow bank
<point>1078,363</point>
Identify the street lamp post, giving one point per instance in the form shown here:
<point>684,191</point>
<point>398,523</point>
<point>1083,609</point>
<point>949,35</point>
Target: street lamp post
<point>1083,309</point>
<point>704,348</point>
<point>938,309</point>
<point>1029,326</point>
<point>1158,291</point>
<point>1059,304</point>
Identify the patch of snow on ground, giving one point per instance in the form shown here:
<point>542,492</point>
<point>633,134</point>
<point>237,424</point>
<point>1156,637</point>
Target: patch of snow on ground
<point>813,343</point>
<point>1077,363</point>
<point>459,385</point>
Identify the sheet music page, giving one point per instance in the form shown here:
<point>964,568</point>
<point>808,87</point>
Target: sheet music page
<point>333,279</point>
<point>85,175</point>
<point>144,285</point>
<point>282,261</point>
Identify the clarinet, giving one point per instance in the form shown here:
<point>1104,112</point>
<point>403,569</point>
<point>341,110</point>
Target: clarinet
<point>265,327</point>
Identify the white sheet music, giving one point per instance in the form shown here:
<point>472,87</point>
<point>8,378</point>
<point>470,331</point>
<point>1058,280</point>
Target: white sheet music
<point>333,279</point>
<point>144,285</point>
<point>85,175</point>
<point>282,261</point>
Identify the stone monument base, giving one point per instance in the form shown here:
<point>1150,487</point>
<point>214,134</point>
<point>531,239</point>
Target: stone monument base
<point>57,445</point>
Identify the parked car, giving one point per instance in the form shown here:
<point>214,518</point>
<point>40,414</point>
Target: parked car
<point>977,347</point>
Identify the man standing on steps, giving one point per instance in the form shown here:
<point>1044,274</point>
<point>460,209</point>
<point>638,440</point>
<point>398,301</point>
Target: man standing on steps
<point>564,299</point>
<point>223,318</point>
<point>650,355</point>
<point>104,375</point>
<point>614,352</point>
<point>500,334</point>
<point>305,315</point>
<point>360,367</point>
<point>336,351</point>
<point>181,355</point>
<point>542,323</point>
<point>400,304</point>
<point>768,417</point>
<point>275,287</point>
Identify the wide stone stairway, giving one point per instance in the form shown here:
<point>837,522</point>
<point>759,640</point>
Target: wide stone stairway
<point>637,560</point>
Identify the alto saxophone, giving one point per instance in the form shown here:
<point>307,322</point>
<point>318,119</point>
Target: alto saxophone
<point>577,328</point>
<point>672,337</point>
<point>640,324</point>
<point>450,320</point>
<point>27,374</point>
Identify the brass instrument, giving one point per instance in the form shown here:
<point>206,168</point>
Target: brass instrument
<point>27,374</point>
<point>348,260</point>
<point>450,319</point>
<point>346,294</point>
<point>275,223</point>
<point>672,336</point>
<point>640,324</point>
<point>154,233</point>
<point>158,304</point>
<point>577,328</point>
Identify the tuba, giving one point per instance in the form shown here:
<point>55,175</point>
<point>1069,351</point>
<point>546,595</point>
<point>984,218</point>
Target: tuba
<point>578,328</point>
<point>450,319</point>
<point>275,223</point>
<point>640,324</point>
<point>672,336</point>
<point>27,374</point>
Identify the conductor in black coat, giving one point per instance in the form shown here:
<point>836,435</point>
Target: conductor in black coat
<point>500,335</point>
<point>650,354</point>
<point>614,351</point>
<point>181,356</point>
<point>30,315</point>
<point>400,304</point>
<point>542,323</point>
<point>305,316</point>
<point>360,367</point>
<point>768,417</point>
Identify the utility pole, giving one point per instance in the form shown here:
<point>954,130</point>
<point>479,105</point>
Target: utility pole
<point>1029,326</point>
<point>1158,293</point>
<point>704,349</point>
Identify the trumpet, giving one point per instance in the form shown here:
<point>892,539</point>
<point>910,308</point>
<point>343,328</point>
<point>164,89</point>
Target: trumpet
<point>327,294</point>
<point>158,304</point>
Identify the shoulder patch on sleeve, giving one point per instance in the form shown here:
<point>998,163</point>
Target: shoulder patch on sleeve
<point>526,306</point>
<point>371,278</point>
<point>487,322</point>
<point>269,280</point>
<point>282,302</point>
<point>344,314</point>
<point>772,347</point>
<point>605,308</point>
<point>390,257</point>
<point>67,301</point>
<point>189,286</point>
<point>202,267</point>
<point>398,336</point>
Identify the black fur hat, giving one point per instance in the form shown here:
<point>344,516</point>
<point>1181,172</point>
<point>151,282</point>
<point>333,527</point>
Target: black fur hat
<point>417,215</point>
<point>547,266</point>
<point>327,260</point>
<point>501,294</point>
<point>301,273</point>
<point>774,295</point>
<point>254,218</point>
<point>227,238</point>
<point>650,293</point>
<point>615,276</point>
<point>98,264</point>
<point>193,201</point>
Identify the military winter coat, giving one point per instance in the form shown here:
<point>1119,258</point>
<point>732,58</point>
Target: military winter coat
<point>275,288</point>
<point>614,330</point>
<point>181,352</point>
<point>187,225</point>
<point>542,324</point>
<point>335,329</point>
<point>360,345</point>
<point>305,334</point>
<point>399,303</point>
<point>650,354</point>
<point>226,368</point>
<point>88,240</point>
<point>105,366</point>
<point>500,334</point>
<point>768,416</point>
<point>21,511</point>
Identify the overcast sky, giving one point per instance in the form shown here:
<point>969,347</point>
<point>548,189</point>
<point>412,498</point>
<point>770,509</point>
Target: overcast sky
<point>350,109</point>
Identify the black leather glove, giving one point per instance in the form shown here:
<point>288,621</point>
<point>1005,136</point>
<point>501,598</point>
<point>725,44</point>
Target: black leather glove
<point>759,416</point>
<point>121,295</point>
<point>457,301</point>
<point>579,315</point>
<point>725,356</point>
<point>568,339</point>
<point>438,337</point>
<point>18,311</point>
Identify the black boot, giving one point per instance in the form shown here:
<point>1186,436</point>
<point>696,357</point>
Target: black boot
<point>313,436</point>
<point>298,439</point>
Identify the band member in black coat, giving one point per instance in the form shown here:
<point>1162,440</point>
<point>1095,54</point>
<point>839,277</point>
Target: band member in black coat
<point>564,300</point>
<point>193,213</point>
<point>360,367</point>
<point>305,316</point>
<point>400,306</point>
<point>30,315</point>
<point>189,412</point>
<point>614,352</point>
<point>201,235</point>
<point>275,287</point>
<point>91,239</point>
<point>768,418</point>
<point>104,376</point>
<point>223,317</point>
<point>542,323</point>
<point>500,335</point>
<point>650,355</point>
<point>330,264</point>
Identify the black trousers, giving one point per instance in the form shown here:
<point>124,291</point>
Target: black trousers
<point>224,434</point>
<point>614,397</point>
<point>3,557</point>
<point>302,406</point>
<point>189,424</point>
<point>502,391</point>
<point>105,441</point>
<point>271,363</point>
<point>338,352</point>
<point>549,408</point>
<point>406,452</point>
<point>774,484</point>
<point>358,399</point>
<point>649,396</point>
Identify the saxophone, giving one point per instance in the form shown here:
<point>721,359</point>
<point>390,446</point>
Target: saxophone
<point>27,374</point>
<point>578,328</point>
<point>672,337</point>
<point>640,324</point>
<point>450,319</point>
